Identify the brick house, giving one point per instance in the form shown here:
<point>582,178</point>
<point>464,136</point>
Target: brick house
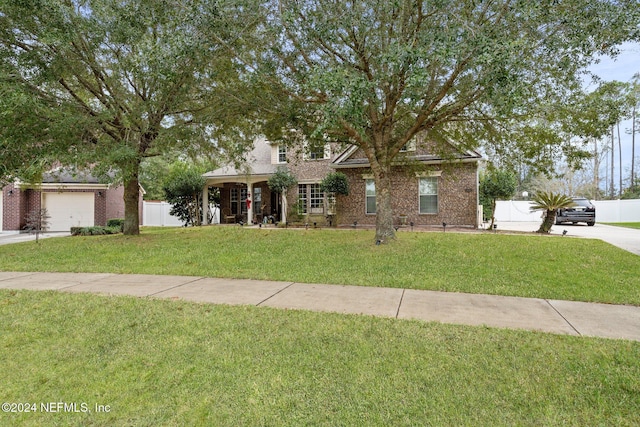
<point>429,188</point>
<point>70,200</point>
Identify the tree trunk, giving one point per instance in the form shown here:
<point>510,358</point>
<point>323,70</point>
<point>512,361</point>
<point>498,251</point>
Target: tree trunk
<point>547,223</point>
<point>493,213</point>
<point>384,212</point>
<point>131,205</point>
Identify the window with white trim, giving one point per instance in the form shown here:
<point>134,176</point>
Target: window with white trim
<point>237,205</point>
<point>370,196</point>
<point>316,199</point>
<point>282,154</point>
<point>316,152</point>
<point>409,146</point>
<point>257,200</point>
<point>428,189</point>
<point>302,198</point>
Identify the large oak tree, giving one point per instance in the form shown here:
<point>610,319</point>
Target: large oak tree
<point>376,73</point>
<point>106,83</point>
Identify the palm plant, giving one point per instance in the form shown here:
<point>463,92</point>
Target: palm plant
<point>550,203</point>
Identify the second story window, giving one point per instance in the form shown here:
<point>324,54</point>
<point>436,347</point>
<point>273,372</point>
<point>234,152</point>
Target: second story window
<point>317,152</point>
<point>282,154</point>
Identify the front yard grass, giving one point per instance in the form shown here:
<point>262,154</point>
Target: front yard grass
<point>552,267</point>
<point>159,362</point>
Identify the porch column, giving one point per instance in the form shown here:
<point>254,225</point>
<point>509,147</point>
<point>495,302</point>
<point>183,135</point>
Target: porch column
<point>205,205</point>
<point>284,206</point>
<point>250,205</point>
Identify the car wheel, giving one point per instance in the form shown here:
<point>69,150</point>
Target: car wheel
<point>591,224</point>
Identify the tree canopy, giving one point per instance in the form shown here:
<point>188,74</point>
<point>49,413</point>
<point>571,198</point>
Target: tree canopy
<point>496,184</point>
<point>108,83</point>
<point>183,190</point>
<point>376,73</point>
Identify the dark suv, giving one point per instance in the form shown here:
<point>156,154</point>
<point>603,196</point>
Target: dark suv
<point>582,211</point>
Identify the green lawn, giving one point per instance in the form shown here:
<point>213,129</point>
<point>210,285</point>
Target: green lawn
<point>624,224</point>
<point>159,362</point>
<point>551,267</point>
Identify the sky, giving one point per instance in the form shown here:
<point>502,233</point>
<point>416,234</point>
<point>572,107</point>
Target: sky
<point>622,69</point>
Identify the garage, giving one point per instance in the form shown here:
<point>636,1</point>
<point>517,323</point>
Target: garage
<point>69,210</point>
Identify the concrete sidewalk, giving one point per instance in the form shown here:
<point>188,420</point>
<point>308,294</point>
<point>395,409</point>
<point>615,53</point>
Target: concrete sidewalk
<point>561,317</point>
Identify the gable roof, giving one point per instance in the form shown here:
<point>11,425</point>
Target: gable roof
<point>257,162</point>
<point>66,176</point>
<point>353,158</point>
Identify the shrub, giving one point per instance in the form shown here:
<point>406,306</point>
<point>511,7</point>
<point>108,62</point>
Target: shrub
<point>115,222</point>
<point>335,182</point>
<point>95,230</point>
<point>183,190</point>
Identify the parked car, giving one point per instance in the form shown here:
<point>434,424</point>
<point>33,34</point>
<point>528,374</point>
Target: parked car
<point>582,211</point>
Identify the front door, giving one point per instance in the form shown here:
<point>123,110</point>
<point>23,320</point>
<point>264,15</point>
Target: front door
<point>276,205</point>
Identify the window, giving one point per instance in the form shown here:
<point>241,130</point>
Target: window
<point>316,155</point>
<point>282,154</point>
<point>234,201</point>
<point>370,195</point>
<point>409,146</point>
<point>316,152</point>
<point>302,198</point>
<point>428,188</point>
<point>310,199</point>
<point>316,199</point>
<point>238,205</point>
<point>257,200</point>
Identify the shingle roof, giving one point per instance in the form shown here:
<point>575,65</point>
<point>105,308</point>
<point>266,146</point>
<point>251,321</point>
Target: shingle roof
<point>257,162</point>
<point>66,176</point>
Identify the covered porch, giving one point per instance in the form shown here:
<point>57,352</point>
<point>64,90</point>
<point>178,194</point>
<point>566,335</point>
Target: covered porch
<point>244,199</point>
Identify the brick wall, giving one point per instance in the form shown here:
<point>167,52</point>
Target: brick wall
<point>308,171</point>
<point>457,197</point>
<point>114,203</point>
<point>13,204</point>
<point>107,204</point>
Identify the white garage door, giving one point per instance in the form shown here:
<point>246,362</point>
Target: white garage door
<point>68,210</point>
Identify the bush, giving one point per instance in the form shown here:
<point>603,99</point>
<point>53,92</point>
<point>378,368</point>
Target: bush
<point>335,182</point>
<point>115,222</point>
<point>183,190</point>
<point>95,231</point>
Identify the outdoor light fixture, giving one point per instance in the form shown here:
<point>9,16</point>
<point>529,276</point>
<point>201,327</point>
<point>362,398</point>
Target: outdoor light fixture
<point>444,227</point>
<point>355,224</point>
<point>10,192</point>
<point>411,224</point>
<point>99,193</point>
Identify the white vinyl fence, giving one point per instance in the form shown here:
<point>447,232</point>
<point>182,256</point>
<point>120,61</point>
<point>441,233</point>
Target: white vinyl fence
<point>606,211</point>
<point>157,214</point>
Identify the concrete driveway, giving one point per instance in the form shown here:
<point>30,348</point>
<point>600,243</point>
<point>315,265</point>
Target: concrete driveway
<point>7,238</point>
<point>625,238</point>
